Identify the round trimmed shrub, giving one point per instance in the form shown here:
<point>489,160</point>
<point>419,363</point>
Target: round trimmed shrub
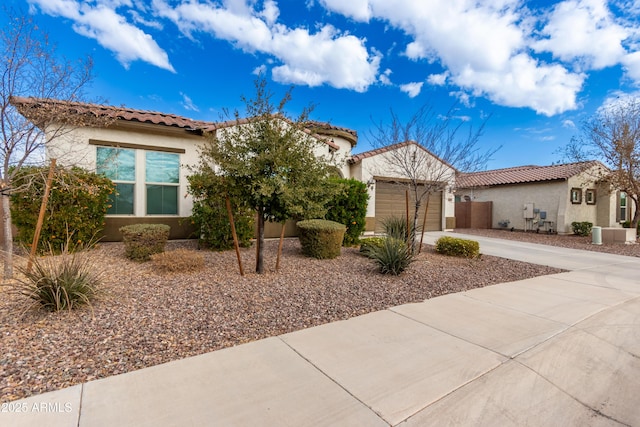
<point>321,238</point>
<point>458,247</point>
<point>143,240</point>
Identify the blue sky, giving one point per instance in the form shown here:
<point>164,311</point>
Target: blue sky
<point>539,68</point>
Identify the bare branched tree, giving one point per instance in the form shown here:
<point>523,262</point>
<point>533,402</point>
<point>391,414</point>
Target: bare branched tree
<point>427,151</point>
<point>612,135</point>
<point>30,68</point>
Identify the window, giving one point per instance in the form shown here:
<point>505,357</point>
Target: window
<point>590,196</point>
<point>622,206</point>
<point>119,165</point>
<point>576,196</point>
<point>162,178</point>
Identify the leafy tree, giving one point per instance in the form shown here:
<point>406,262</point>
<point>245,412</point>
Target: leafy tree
<point>349,207</point>
<point>426,151</point>
<point>612,135</point>
<point>269,160</point>
<point>30,68</point>
<point>209,213</point>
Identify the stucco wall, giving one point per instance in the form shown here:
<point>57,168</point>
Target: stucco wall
<point>509,200</point>
<point>378,166</point>
<point>74,149</point>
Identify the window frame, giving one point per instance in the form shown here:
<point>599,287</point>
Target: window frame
<point>161,184</point>
<point>117,181</point>
<point>590,196</point>
<point>623,211</point>
<point>576,196</point>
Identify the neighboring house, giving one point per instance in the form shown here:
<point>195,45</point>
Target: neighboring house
<point>546,198</point>
<point>147,155</point>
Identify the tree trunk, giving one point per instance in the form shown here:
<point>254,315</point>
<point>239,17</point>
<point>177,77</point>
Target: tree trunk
<point>636,215</point>
<point>260,243</point>
<point>8,237</point>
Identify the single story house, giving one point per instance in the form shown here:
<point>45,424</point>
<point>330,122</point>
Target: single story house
<point>147,155</point>
<point>546,198</point>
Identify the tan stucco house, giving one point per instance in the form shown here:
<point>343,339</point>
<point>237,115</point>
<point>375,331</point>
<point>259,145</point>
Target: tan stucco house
<point>147,155</point>
<point>546,198</point>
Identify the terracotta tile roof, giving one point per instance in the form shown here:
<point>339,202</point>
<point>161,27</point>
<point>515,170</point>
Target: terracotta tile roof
<point>329,129</point>
<point>119,113</point>
<point>329,126</point>
<point>523,174</point>
<point>143,116</point>
<point>366,154</point>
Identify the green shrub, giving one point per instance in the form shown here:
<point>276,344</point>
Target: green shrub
<point>60,282</point>
<point>180,260</point>
<point>349,207</point>
<point>143,240</point>
<point>582,228</point>
<point>369,244</point>
<point>77,204</point>
<point>458,247</point>
<point>321,238</point>
<point>393,256</point>
<point>210,217</point>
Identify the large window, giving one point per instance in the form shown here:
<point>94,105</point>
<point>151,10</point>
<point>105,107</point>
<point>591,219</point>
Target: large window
<point>147,181</point>
<point>162,181</point>
<point>119,165</point>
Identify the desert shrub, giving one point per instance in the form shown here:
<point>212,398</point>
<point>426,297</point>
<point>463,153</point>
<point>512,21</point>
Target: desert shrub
<point>396,228</point>
<point>180,260</point>
<point>210,216</point>
<point>78,202</point>
<point>59,282</point>
<point>458,247</point>
<point>349,207</point>
<point>321,238</point>
<point>581,228</point>
<point>370,243</point>
<point>393,256</point>
<point>143,240</point>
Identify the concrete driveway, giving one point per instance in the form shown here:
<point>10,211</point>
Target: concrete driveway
<point>559,350</point>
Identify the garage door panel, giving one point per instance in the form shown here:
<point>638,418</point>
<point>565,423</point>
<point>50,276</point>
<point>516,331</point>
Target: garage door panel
<point>390,201</point>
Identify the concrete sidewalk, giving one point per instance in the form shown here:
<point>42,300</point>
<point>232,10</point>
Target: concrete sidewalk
<point>549,351</point>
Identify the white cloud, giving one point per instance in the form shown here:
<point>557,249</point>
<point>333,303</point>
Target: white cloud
<point>111,30</point>
<point>359,10</point>
<point>303,57</point>
<point>631,63</point>
<point>262,69</point>
<point>495,49</point>
<point>412,89</point>
<point>463,97</point>
<point>569,124</point>
<point>384,78</point>
<point>187,103</point>
<point>583,32</point>
<point>618,99</point>
<point>438,79</point>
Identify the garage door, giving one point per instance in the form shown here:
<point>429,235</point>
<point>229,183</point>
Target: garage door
<point>390,201</point>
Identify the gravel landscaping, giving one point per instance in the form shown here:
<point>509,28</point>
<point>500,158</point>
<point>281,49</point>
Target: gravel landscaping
<point>144,318</point>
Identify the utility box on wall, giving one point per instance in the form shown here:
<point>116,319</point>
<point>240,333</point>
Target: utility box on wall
<point>528,211</point>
